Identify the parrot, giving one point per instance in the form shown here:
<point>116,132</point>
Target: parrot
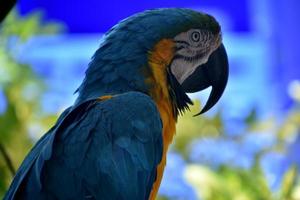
<point>112,143</point>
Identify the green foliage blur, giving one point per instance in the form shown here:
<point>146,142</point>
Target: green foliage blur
<point>22,91</point>
<point>233,183</point>
<point>23,117</point>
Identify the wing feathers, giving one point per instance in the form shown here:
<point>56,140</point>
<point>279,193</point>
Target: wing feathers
<point>105,150</point>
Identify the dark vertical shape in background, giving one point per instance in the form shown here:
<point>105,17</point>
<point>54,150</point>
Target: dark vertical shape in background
<point>5,7</point>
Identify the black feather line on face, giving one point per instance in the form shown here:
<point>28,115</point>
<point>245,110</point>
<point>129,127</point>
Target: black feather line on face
<point>180,99</point>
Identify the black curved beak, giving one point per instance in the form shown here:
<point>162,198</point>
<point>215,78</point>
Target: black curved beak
<point>213,73</point>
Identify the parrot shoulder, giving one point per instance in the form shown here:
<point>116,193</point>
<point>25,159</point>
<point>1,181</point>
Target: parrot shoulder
<point>109,149</point>
<point>113,148</point>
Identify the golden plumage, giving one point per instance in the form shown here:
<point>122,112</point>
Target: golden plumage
<point>159,59</point>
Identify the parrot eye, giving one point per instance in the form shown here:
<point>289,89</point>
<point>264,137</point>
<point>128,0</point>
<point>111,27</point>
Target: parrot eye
<point>195,36</point>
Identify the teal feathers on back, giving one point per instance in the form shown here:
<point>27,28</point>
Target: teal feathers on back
<point>98,150</point>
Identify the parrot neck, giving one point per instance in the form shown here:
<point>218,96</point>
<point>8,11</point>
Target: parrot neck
<point>170,99</point>
<point>163,84</point>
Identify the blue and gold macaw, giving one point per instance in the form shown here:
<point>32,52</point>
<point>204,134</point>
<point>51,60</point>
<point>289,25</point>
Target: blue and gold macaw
<point>112,143</point>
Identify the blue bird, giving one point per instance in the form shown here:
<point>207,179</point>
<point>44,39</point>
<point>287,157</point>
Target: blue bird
<point>112,143</point>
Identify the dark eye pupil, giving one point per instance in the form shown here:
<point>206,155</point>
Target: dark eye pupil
<point>195,36</point>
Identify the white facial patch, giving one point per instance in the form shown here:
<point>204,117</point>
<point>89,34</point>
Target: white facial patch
<point>193,49</point>
<point>182,69</point>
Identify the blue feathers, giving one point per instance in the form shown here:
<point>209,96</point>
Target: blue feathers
<point>123,53</point>
<point>102,150</point>
<point>110,149</point>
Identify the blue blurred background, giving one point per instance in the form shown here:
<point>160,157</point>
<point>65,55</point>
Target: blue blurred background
<point>260,102</point>
<point>261,38</point>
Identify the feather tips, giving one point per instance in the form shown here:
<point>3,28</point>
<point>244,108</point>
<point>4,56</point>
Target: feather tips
<point>106,150</point>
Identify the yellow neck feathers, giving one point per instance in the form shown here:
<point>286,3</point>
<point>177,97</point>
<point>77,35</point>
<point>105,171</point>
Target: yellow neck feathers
<point>159,59</point>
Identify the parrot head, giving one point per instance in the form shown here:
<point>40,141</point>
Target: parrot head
<point>187,42</point>
<point>200,59</point>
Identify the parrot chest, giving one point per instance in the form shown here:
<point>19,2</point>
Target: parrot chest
<point>159,59</point>
<point>169,124</point>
